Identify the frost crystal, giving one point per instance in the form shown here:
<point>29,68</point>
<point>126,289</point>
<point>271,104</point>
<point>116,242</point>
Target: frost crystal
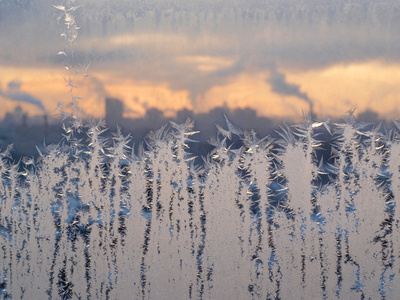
<point>266,220</point>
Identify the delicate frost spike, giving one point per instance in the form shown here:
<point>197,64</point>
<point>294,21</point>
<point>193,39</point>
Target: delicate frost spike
<point>59,7</point>
<point>325,124</point>
<point>263,220</point>
<point>396,123</point>
<point>7,152</point>
<point>251,141</point>
<point>286,134</point>
<point>232,128</point>
<point>223,132</point>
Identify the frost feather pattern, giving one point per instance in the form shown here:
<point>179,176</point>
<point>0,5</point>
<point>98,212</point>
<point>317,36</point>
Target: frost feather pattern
<point>268,220</point>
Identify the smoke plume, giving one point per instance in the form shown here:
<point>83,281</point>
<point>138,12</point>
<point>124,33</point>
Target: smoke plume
<point>279,85</point>
<point>14,93</point>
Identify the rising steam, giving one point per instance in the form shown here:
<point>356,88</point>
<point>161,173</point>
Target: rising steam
<point>279,85</point>
<point>14,93</point>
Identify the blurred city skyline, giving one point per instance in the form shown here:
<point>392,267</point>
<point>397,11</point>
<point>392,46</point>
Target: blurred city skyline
<point>279,59</point>
<point>28,134</point>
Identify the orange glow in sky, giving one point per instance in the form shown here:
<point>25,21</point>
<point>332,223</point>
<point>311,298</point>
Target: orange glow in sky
<point>278,58</point>
<point>334,90</point>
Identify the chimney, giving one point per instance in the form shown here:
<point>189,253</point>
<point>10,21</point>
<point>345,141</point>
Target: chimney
<point>114,111</point>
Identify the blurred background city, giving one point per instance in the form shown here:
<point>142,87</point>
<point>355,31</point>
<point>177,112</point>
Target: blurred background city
<point>139,64</point>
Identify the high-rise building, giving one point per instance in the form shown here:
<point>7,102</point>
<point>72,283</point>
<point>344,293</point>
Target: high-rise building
<point>114,111</point>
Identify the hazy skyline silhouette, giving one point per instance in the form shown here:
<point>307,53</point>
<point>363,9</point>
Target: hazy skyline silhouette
<point>173,55</point>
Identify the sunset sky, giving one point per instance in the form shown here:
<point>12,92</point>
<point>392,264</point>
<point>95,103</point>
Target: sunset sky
<point>279,58</point>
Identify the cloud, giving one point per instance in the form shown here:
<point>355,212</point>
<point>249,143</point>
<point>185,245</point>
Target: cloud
<point>14,93</point>
<point>197,47</point>
<point>280,86</point>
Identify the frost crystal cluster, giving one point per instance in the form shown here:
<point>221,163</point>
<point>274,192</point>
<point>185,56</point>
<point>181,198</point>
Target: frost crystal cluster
<point>267,220</point>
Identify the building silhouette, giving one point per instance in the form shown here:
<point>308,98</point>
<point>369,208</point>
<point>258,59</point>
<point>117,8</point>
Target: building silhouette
<point>114,112</point>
